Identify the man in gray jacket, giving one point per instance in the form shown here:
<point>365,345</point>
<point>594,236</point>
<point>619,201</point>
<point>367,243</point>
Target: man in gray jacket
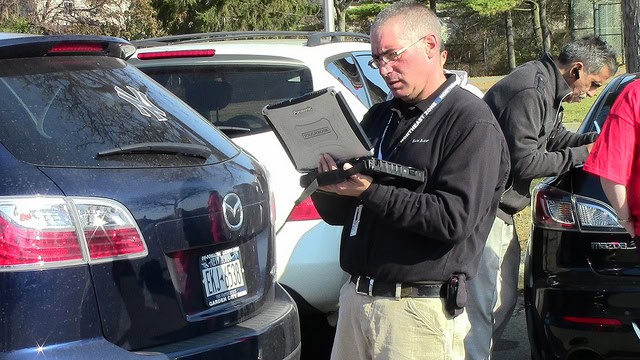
<point>527,105</point>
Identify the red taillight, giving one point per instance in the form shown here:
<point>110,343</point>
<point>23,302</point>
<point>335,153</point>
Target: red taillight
<point>553,209</point>
<point>77,48</point>
<point>561,210</point>
<point>593,321</point>
<point>176,54</point>
<point>42,232</point>
<point>20,245</point>
<point>113,243</point>
<point>306,210</point>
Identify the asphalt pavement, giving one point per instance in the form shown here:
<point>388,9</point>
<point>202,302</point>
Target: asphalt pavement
<point>514,343</point>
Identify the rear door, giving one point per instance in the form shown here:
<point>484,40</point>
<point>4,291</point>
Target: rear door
<point>119,146</point>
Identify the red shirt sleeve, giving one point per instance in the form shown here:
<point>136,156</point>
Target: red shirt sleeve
<point>612,154</point>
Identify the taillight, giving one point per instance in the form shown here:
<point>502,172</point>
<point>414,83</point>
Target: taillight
<point>37,231</point>
<point>77,48</point>
<point>176,54</point>
<point>44,232</point>
<point>109,229</point>
<point>557,209</point>
<point>306,210</point>
<point>593,321</point>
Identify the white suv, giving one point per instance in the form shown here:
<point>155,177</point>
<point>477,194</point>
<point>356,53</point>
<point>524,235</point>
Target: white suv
<point>229,78</point>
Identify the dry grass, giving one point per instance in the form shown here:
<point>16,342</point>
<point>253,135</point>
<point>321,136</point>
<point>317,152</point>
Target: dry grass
<point>484,82</point>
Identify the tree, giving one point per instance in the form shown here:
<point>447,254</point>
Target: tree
<point>9,9</point>
<point>133,19</point>
<point>189,16</point>
<point>511,55</point>
<point>546,33</point>
<point>630,19</point>
<point>359,18</point>
<point>341,7</point>
<point>129,19</point>
<point>492,7</point>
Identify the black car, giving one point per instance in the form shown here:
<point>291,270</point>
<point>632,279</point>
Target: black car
<point>582,274</point>
<point>130,228</point>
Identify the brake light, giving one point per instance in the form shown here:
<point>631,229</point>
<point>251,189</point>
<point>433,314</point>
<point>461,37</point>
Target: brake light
<point>593,321</point>
<point>557,209</point>
<point>306,210</point>
<point>37,232</point>
<point>176,54</point>
<point>109,229</point>
<point>44,232</point>
<point>553,208</point>
<point>77,48</point>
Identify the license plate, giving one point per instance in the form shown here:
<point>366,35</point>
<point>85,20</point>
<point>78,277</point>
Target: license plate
<point>222,276</point>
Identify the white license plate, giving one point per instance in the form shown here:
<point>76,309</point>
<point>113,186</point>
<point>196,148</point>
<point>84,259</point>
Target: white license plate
<point>222,276</point>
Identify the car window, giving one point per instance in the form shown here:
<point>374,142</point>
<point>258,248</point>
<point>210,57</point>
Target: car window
<point>62,111</point>
<point>346,71</point>
<point>376,87</point>
<point>363,81</point>
<point>595,119</point>
<point>232,95</point>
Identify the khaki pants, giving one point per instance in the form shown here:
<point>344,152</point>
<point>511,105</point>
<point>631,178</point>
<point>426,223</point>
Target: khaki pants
<point>494,291</point>
<point>371,327</point>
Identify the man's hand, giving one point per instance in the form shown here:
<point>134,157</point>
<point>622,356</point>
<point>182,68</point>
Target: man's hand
<point>354,186</point>
<point>589,147</point>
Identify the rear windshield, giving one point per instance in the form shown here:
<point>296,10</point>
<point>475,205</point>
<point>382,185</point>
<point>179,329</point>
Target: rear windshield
<point>63,111</point>
<point>232,96</point>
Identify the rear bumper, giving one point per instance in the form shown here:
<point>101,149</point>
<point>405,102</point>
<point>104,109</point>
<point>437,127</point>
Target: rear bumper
<point>272,334</point>
<point>583,297</point>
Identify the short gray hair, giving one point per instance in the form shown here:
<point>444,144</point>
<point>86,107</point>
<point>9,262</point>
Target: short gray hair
<point>418,19</point>
<point>594,52</point>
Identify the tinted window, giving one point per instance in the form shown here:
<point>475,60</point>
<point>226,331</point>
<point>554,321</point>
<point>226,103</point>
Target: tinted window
<point>233,96</point>
<point>374,82</point>
<point>598,114</point>
<point>346,71</point>
<point>62,111</point>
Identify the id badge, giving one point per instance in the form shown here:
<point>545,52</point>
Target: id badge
<point>356,221</point>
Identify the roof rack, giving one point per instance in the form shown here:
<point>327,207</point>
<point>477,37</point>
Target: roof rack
<point>316,38</point>
<point>313,38</point>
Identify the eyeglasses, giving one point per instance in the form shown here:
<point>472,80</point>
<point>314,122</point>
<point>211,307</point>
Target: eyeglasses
<point>378,61</point>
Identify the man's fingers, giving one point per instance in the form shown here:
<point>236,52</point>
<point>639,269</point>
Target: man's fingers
<point>322,164</point>
<point>330,162</point>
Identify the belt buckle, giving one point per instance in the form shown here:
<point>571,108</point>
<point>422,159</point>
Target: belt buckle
<point>370,289</point>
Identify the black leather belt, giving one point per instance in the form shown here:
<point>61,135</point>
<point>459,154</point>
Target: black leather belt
<point>369,286</point>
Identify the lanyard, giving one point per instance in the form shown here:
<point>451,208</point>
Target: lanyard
<point>416,123</point>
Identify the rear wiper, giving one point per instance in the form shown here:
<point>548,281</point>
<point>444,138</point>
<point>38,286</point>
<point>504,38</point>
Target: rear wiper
<point>159,148</point>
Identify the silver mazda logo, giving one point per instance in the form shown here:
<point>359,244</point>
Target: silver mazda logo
<point>232,211</point>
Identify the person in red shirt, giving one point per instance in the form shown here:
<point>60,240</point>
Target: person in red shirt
<point>615,158</point>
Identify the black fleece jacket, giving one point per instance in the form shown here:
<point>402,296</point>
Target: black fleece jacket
<point>420,232</point>
<point>527,105</point>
